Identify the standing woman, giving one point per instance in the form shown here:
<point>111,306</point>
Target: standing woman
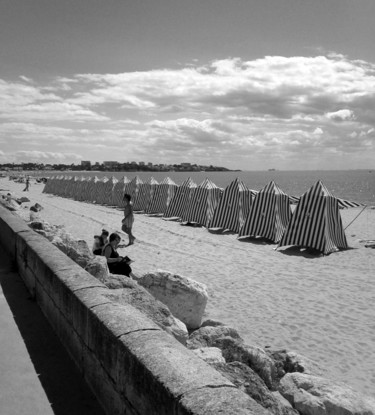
<point>116,263</point>
<point>127,222</point>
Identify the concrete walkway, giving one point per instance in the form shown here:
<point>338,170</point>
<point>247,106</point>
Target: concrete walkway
<point>37,376</point>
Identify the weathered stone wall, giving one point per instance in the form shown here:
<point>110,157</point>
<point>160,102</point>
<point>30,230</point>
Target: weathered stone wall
<point>131,364</point>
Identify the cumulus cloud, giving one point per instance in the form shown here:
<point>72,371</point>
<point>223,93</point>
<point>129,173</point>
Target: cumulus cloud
<point>341,115</point>
<point>229,109</point>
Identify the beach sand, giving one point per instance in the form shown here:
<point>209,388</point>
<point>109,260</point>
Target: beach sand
<point>321,307</point>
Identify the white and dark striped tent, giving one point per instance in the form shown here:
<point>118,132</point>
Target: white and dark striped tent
<point>91,189</point>
<point>163,195</point>
<point>145,195</point>
<point>57,185</point>
<point>85,189</point>
<point>269,214</point>
<point>65,185</point>
<point>132,189</point>
<point>233,207</point>
<point>180,200</point>
<point>108,191</point>
<point>99,190</point>
<point>70,191</point>
<point>50,184</point>
<point>119,191</point>
<point>80,189</point>
<point>202,204</point>
<point>316,222</point>
<point>75,187</point>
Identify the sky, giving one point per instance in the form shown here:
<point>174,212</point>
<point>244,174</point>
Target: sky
<point>242,84</point>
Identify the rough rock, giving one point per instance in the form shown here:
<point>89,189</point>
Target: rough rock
<point>23,199</point>
<point>235,350</point>
<point>249,382</point>
<point>140,298</point>
<point>77,250</point>
<point>288,362</point>
<point>206,336</point>
<point>186,298</point>
<point>212,323</point>
<point>314,395</point>
<point>98,267</point>
<point>210,355</point>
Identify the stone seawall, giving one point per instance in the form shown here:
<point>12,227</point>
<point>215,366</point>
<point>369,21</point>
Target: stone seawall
<point>130,363</point>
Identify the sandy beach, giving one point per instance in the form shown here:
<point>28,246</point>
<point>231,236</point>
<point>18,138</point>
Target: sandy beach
<point>321,307</point>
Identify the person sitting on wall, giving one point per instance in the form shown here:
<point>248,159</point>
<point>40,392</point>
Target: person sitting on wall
<point>99,242</point>
<point>116,263</point>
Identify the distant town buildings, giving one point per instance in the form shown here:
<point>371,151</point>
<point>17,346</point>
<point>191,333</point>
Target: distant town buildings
<point>112,166</point>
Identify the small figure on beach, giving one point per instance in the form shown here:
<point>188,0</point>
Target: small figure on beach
<point>26,189</point>
<point>116,263</point>
<point>99,242</point>
<point>127,222</point>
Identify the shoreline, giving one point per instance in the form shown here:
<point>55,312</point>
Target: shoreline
<point>320,307</point>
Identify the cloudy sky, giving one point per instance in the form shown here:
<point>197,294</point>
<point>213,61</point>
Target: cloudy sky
<point>245,84</point>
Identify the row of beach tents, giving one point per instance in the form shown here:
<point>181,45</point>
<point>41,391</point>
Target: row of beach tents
<point>315,222</point>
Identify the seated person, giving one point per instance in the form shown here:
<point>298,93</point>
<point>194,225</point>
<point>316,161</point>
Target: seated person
<point>100,242</point>
<point>116,263</point>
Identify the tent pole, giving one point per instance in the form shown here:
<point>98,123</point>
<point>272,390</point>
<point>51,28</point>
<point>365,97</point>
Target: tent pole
<point>356,217</point>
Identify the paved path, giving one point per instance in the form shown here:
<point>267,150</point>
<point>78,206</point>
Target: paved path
<point>37,376</point>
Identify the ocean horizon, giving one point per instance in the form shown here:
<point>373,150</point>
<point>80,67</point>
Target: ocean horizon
<point>353,185</point>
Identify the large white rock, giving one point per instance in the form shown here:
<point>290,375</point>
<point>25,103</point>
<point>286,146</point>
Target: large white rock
<point>186,298</point>
<point>98,268</point>
<point>314,395</point>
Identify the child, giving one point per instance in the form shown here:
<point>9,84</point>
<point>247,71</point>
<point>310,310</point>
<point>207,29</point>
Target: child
<point>127,222</point>
<point>100,242</point>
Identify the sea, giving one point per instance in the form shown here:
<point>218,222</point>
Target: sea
<point>352,185</point>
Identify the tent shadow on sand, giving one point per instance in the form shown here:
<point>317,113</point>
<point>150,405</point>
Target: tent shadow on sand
<point>221,231</point>
<point>258,240</point>
<point>309,253</point>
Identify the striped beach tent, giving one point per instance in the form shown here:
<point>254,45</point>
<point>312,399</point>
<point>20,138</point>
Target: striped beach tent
<point>202,204</point>
<point>316,222</point>
<point>99,189</point>
<point>50,184</point>
<point>163,195</point>
<point>55,185</point>
<point>119,191</point>
<point>65,185</point>
<point>132,189</point>
<point>108,191</point>
<point>84,196</point>
<point>233,207</point>
<point>145,195</point>
<point>269,214</point>
<point>91,189</point>
<point>72,186</point>
<point>80,189</point>
<point>75,187</point>
<point>180,200</point>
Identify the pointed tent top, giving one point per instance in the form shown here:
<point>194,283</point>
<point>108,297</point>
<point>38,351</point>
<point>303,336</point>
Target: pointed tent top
<point>320,189</point>
<point>124,180</point>
<point>273,188</point>
<point>168,180</point>
<point>151,181</point>
<point>136,180</point>
<point>237,183</point>
<point>104,179</point>
<point>189,183</point>
<point>113,179</point>
<point>208,184</point>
